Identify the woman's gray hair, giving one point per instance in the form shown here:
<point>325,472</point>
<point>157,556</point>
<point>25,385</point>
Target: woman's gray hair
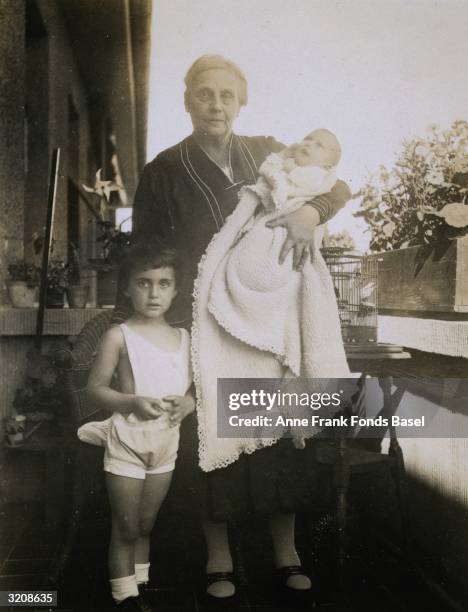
<point>211,62</point>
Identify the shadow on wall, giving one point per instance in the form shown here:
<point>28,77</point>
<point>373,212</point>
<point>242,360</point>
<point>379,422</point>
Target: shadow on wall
<point>437,528</point>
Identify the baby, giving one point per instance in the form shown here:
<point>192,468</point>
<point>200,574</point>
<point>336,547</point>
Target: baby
<point>302,170</point>
<point>270,306</point>
<point>252,295</point>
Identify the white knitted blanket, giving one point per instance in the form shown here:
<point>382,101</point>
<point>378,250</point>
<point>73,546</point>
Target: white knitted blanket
<point>256,319</point>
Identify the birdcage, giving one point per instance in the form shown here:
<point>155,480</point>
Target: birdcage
<point>355,281</point>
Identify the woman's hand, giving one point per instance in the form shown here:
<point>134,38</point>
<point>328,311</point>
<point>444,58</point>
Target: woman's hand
<point>146,408</point>
<point>180,407</point>
<point>300,226</point>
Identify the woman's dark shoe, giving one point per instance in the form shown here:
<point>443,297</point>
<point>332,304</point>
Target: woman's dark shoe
<point>294,586</point>
<point>220,585</point>
<point>301,583</point>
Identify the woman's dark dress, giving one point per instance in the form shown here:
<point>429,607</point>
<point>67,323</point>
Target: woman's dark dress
<point>184,198</point>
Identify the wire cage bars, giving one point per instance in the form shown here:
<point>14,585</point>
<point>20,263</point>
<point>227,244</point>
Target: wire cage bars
<point>355,280</point>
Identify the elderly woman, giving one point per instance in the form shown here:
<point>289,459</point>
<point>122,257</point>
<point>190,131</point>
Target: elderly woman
<point>184,197</point>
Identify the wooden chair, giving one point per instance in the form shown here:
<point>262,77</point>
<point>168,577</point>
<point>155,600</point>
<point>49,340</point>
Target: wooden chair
<point>346,457</point>
<point>75,366</point>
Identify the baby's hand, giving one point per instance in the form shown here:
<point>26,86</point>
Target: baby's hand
<point>146,408</point>
<point>180,407</point>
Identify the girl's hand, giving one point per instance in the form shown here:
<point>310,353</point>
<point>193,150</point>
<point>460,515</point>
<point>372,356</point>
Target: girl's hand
<point>147,408</point>
<point>300,226</point>
<point>180,407</point>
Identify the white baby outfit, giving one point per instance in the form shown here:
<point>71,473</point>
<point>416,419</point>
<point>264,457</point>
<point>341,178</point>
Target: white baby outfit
<point>253,296</point>
<point>281,181</point>
<point>135,447</point>
<point>255,317</point>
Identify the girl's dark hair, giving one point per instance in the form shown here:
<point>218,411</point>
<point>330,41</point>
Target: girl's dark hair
<point>149,257</point>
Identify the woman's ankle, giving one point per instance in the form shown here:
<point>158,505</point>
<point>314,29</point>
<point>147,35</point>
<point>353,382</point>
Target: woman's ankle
<point>219,564</point>
<point>286,557</point>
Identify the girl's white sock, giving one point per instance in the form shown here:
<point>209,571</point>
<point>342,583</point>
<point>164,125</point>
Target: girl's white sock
<point>142,572</point>
<point>124,587</point>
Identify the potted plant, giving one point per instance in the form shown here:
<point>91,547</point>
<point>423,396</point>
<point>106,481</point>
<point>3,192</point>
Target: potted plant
<point>114,245</point>
<point>39,400</point>
<point>23,283</point>
<point>57,283</point>
<point>417,213</point>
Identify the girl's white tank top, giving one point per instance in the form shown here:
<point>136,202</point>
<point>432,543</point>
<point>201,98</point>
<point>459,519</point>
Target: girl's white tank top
<point>157,372</point>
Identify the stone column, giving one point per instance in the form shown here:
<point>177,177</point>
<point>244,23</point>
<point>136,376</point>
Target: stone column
<point>12,140</point>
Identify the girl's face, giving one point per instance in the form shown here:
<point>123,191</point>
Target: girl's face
<point>152,291</point>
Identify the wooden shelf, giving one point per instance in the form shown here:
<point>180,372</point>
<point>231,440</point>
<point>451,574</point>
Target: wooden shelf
<point>57,321</point>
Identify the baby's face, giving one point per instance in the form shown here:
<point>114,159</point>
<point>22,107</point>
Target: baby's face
<point>320,148</point>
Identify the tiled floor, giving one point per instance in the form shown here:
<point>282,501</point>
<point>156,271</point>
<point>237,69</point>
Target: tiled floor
<point>374,579</point>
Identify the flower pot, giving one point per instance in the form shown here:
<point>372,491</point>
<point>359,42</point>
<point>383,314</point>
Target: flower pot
<point>21,296</point>
<point>55,297</point>
<point>431,278</point>
<point>77,296</point>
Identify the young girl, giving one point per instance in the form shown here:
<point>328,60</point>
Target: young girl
<point>151,359</point>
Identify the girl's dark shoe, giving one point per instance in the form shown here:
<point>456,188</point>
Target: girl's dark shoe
<point>146,596</point>
<point>134,604</point>
<point>129,604</point>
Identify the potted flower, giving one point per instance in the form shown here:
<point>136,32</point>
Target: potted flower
<point>57,283</point>
<point>23,283</point>
<point>417,214</point>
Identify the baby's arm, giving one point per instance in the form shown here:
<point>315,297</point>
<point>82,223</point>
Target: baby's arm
<point>273,183</point>
<point>99,383</point>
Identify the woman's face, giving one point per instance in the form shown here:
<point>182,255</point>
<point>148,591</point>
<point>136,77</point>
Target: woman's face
<point>213,102</point>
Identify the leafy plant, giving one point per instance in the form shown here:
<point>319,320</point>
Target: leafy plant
<point>422,199</point>
<point>26,272</point>
<point>58,275</point>
<point>114,245</point>
<point>113,242</point>
<point>41,392</point>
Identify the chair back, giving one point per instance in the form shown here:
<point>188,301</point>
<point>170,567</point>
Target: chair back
<point>75,365</point>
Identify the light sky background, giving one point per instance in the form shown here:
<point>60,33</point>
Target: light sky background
<point>373,71</point>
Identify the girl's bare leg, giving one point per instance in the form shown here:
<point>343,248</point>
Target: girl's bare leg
<point>124,496</point>
<point>154,492</point>
<point>282,531</point>
<point>219,557</point>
